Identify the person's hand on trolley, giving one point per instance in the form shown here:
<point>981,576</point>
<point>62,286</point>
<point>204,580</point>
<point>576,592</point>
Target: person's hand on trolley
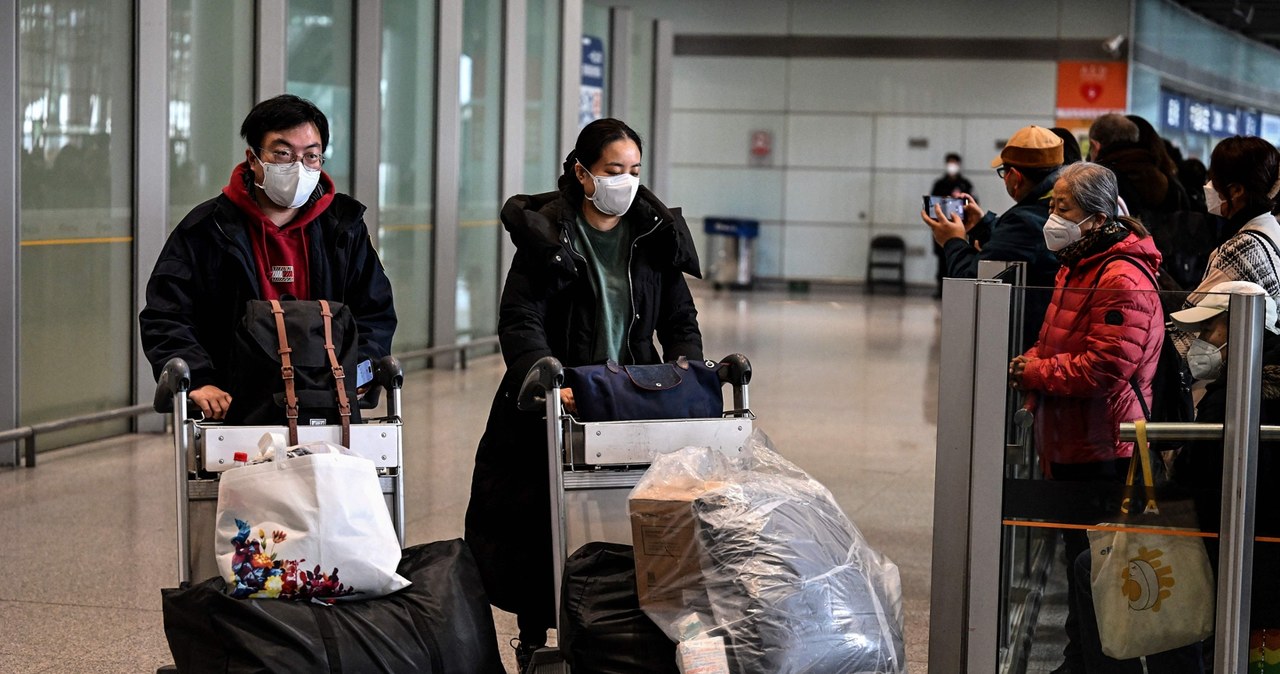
<point>212,401</point>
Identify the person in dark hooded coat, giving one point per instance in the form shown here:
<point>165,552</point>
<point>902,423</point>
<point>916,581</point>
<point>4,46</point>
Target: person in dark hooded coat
<point>598,273</point>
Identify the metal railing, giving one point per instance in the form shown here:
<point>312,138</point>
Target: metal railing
<point>27,435</point>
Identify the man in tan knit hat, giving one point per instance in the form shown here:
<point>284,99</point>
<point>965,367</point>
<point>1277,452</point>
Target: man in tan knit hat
<point>1028,165</point>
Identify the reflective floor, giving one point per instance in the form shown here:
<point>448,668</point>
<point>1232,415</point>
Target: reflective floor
<point>845,383</point>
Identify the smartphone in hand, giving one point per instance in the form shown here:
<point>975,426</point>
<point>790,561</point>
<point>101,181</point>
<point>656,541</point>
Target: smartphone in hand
<point>950,205</point>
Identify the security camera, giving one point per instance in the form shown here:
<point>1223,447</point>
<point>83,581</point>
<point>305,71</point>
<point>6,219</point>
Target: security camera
<point>1113,44</point>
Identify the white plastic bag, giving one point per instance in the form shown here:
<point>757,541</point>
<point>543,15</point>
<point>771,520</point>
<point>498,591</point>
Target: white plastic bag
<point>761,554</point>
<point>313,526</point>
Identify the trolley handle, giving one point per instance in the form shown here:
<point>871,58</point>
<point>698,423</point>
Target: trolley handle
<point>174,378</point>
<point>545,375</point>
<point>735,370</point>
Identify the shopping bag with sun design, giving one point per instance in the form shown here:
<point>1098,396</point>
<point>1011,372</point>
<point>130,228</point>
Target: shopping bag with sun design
<point>1152,584</point>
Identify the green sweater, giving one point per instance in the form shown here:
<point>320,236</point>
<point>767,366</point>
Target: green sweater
<point>607,255</point>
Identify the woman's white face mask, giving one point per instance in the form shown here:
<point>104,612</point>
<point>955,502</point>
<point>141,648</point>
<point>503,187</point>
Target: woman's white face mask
<point>613,194</point>
<point>1212,202</point>
<point>1060,232</point>
<point>1204,359</point>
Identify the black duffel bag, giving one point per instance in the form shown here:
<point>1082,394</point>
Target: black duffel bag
<point>319,382</point>
<point>685,389</point>
<point>602,628</point>
<point>440,623</point>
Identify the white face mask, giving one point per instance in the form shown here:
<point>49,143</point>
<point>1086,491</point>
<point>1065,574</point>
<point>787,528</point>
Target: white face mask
<point>1212,202</point>
<point>614,193</point>
<point>953,169</point>
<point>1204,360</point>
<point>1060,232</point>
<point>288,185</point>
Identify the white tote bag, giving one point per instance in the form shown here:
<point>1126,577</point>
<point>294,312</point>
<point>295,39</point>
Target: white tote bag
<point>312,526</point>
<point>1152,585</point>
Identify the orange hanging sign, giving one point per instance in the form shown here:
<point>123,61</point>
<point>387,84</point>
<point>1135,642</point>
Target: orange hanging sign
<point>1087,89</point>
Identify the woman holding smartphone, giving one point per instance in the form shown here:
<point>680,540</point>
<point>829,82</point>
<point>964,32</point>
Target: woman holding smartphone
<point>598,273</point>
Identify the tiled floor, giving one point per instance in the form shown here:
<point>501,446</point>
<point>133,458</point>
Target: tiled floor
<point>844,383</point>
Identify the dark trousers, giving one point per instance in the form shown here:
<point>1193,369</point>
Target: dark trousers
<point>1185,660</point>
<point>1076,541</point>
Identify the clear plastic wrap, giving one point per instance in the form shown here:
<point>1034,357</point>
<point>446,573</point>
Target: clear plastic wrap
<point>756,551</point>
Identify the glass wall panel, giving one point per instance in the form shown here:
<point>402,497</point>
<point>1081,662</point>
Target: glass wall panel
<point>542,154</point>
<point>478,229</point>
<point>595,24</point>
<point>75,115</point>
<point>640,102</point>
<point>319,69</point>
<point>1086,544</point>
<point>406,204</point>
<point>210,92</point>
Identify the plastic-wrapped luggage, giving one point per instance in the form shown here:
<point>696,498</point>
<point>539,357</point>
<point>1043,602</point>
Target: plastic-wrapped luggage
<point>602,629</point>
<point>760,553</point>
<point>440,623</point>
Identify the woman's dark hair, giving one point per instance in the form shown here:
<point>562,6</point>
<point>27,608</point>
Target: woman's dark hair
<point>1149,139</point>
<point>592,140</point>
<point>1251,163</point>
<point>279,114</point>
<point>1070,145</point>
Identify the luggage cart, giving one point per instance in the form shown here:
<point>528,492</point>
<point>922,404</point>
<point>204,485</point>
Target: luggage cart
<point>612,455</point>
<point>204,449</point>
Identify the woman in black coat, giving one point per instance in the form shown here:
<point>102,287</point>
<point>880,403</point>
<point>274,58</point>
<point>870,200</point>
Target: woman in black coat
<point>598,272</point>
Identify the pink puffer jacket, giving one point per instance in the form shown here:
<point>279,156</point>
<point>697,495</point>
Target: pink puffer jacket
<point>1104,325</point>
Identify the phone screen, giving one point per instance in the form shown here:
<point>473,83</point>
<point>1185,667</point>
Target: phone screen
<point>950,205</point>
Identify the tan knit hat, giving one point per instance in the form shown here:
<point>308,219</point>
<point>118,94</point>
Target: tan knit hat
<point>1031,147</point>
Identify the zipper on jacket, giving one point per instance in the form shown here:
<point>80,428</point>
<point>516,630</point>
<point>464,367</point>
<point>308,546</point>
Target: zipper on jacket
<point>240,253</point>
<point>631,286</point>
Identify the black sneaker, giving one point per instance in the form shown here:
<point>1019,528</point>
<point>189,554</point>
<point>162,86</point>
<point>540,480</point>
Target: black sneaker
<point>524,654</point>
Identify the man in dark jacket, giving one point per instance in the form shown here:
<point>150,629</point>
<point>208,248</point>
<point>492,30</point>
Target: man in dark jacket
<point>951,184</point>
<point>1113,142</point>
<point>279,230</point>
<point>1028,165</point>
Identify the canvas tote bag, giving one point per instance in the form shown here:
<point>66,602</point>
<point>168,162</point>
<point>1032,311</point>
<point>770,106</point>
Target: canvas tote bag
<point>314,526</point>
<point>1152,585</point>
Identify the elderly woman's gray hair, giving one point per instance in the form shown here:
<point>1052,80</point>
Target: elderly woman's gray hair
<point>1093,187</point>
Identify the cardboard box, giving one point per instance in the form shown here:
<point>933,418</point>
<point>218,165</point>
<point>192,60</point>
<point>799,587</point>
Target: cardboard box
<point>664,534</point>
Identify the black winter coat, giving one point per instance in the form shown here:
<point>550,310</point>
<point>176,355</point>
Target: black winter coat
<point>206,273</point>
<point>548,309</point>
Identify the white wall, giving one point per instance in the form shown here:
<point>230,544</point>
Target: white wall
<point>842,169</point>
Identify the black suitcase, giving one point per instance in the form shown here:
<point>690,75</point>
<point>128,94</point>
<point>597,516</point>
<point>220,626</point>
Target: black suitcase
<point>441,623</point>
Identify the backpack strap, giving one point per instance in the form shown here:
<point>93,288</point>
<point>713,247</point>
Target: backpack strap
<point>1133,379</point>
<point>286,373</point>
<point>339,376</point>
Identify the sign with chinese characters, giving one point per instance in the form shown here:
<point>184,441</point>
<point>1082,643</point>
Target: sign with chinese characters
<point>1173,108</point>
<point>1087,89</point>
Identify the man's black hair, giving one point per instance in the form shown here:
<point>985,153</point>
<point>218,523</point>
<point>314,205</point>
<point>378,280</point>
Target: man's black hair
<point>953,157</point>
<point>279,114</point>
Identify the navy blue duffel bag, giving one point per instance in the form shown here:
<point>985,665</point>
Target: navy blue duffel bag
<point>685,389</point>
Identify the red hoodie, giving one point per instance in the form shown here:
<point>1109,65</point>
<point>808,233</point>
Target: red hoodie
<point>280,253</point>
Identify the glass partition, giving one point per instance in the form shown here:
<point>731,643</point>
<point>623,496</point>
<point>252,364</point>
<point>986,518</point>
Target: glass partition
<point>406,203</point>
<point>542,153</point>
<point>481,140</point>
<point>595,26</point>
<point>1084,552</point>
<point>210,92</point>
<point>319,69</point>
<point>75,120</point>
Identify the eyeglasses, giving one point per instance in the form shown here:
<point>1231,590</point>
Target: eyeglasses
<point>1003,171</point>
<point>312,159</point>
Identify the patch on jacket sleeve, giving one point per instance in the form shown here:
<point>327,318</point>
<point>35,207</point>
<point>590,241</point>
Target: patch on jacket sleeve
<point>1114,317</point>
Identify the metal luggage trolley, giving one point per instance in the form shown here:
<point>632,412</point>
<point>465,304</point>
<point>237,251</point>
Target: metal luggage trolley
<point>612,455</point>
<point>204,449</point>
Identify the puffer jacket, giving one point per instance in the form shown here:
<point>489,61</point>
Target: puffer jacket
<point>548,309</point>
<point>1104,325</point>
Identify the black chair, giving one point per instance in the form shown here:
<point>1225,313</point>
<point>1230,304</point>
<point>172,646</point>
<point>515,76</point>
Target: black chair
<point>886,262</point>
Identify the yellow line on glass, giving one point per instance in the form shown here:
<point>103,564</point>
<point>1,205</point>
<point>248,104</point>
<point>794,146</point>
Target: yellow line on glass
<point>78,241</point>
